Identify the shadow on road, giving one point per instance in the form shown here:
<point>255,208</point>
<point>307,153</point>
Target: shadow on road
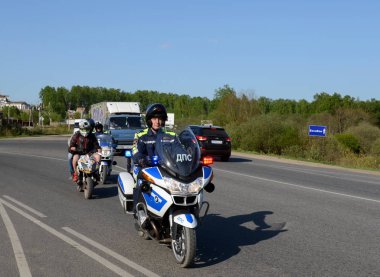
<point>233,160</point>
<point>220,238</point>
<point>104,192</point>
<point>109,189</point>
<point>239,160</point>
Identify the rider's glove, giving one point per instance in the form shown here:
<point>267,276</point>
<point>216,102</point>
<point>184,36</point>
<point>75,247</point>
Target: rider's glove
<point>142,162</point>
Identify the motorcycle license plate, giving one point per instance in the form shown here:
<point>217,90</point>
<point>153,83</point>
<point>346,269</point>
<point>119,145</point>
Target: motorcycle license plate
<point>216,141</point>
<point>104,163</point>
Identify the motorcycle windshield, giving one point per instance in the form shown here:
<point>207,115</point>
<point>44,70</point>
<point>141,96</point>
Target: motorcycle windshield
<point>179,154</point>
<point>104,140</point>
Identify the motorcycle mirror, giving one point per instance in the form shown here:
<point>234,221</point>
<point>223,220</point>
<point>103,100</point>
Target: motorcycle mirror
<point>209,187</point>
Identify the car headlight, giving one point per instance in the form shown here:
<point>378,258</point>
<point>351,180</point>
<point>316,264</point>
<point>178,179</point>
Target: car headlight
<point>176,187</point>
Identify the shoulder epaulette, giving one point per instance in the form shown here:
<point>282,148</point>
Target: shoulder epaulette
<point>143,132</point>
<point>170,133</point>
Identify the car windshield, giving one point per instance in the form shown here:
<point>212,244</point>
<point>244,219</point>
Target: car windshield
<point>179,154</point>
<point>124,122</point>
<point>214,132</point>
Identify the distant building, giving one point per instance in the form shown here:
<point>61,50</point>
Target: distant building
<point>3,100</point>
<point>21,105</point>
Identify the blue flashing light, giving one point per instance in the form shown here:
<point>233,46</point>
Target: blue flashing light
<point>155,160</point>
<point>128,153</point>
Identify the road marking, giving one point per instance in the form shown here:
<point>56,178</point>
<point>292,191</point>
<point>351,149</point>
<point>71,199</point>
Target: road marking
<point>110,252</point>
<point>299,186</point>
<point>119,271</point>
<point>22,263</point>
<point>346,175</point>
<point>34,156</point>
<point>25,206</point>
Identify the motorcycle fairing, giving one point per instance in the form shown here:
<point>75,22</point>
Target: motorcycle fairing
<point>156,175</point>
<point>186,219</point>
<point>153,172</point>
<point>207,174</point>
<point>126,183</point>
<point>158,200</point>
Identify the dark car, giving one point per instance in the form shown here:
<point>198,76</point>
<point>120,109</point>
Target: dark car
<point>213,140</point>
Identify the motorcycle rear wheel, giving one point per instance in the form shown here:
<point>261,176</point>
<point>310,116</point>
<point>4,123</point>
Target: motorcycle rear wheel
<point>88,188</point>
<point>184,245</point>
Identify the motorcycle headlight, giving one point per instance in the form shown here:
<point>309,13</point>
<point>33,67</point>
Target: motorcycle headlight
<point>106,152</point>
<point>176,187</point>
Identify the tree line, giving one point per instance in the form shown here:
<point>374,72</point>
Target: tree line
<point>258,124</point>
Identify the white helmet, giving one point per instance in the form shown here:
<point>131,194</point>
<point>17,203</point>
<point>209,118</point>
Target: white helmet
<point>84,128</point>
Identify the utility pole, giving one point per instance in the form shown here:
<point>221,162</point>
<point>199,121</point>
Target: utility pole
<point>30,114</point>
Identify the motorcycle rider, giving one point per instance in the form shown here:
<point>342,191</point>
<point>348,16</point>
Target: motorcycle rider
<point>98,128</point>
<point>144,142</point>
<point>84,142</point>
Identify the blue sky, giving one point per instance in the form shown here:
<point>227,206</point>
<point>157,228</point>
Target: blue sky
<point>288,49</point>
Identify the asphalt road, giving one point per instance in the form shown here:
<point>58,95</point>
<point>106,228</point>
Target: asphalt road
<point>267,218</point>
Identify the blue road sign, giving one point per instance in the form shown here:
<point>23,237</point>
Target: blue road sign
<point>316,130</point>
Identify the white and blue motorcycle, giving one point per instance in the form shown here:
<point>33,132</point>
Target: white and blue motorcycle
<point>170,205</point>
<point>107,144</point>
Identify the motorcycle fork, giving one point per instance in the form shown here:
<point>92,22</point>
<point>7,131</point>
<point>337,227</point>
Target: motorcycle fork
<point>173,225</point>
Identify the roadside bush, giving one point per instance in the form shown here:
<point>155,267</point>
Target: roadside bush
<point>349,141</point>
<point>375,149</point>
<point>323,149</point>
<point>15,131</point>
<point>236,133</point>
<point>295,151</point>
<point>367,134</point>
<point>266,134</point>
<point>359,161</point>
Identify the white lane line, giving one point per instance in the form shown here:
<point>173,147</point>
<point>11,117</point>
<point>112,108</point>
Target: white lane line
<point>24,206</point>
<point>22,263</point>
<point>110,252</point>
<point>299,186</point>
<point>34,156</point>
<point>343,176</point>
<point>119,271</point>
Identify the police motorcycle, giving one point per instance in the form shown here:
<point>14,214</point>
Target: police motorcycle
<point>87,170</point>
<point>171,203</point>
<point>107,144</point>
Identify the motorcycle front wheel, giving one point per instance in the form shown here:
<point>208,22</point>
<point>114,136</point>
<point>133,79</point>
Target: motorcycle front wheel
<point>129,165</point>
<point>103,174</point>
<point>89,187</point>
<point>184,245</point>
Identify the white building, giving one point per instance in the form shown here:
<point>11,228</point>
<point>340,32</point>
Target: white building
<point>21,105</point>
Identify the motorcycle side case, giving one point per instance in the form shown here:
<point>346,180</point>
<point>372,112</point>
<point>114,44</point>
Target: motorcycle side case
<point>125,186</point>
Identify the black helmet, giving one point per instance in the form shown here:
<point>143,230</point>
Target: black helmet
<point>155,110</point>
<point>98,126</point>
